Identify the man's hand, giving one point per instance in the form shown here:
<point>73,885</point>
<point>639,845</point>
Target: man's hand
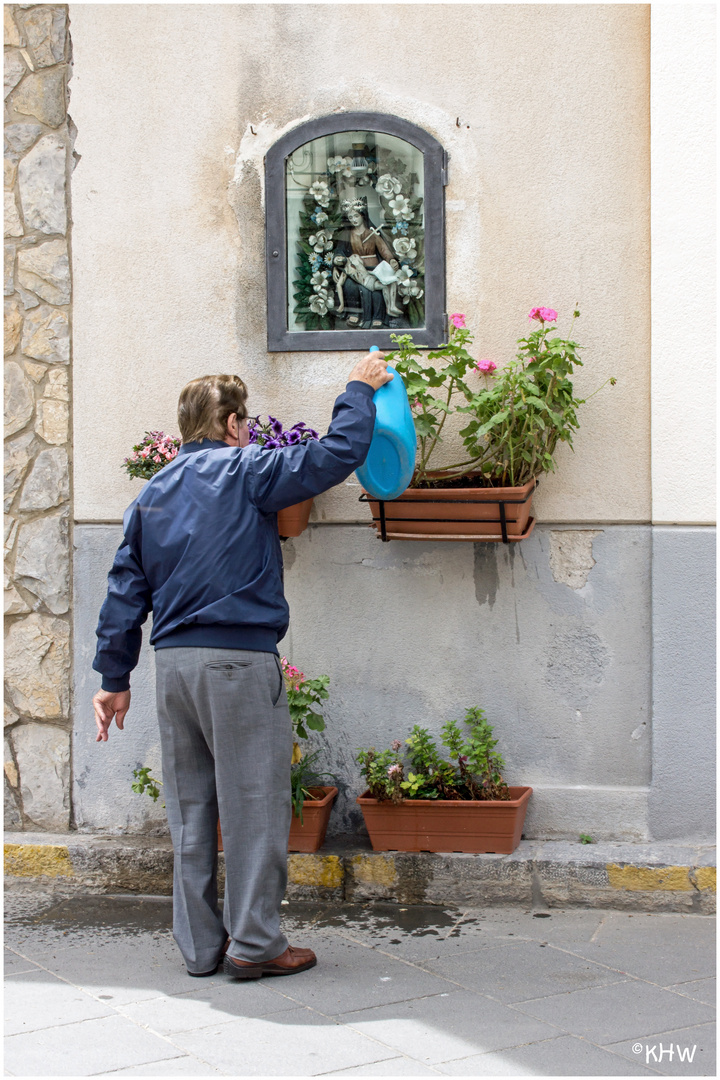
<point>107,705</point>
<point>372,369</point>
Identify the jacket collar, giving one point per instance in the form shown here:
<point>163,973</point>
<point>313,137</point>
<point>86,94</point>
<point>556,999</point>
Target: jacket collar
<point>206,444</point>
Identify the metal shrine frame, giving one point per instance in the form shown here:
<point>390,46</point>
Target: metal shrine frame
<point>434,333</point>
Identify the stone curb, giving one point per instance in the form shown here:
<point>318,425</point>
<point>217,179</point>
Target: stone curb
<point>636,877</point>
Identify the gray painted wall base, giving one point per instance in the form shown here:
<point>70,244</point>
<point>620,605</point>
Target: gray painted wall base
<point>551,637</point>
<point>682,799</point>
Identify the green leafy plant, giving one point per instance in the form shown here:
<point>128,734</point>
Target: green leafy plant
<point>516,418</point>
<point>474,771</point>
<point>585,838</point>
<point>303,776</point>
<point>304,695</point>
<point>145,783</point>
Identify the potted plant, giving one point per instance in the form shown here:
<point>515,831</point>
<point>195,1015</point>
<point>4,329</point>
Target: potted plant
<point>516,418</point>
<point>292,521</point>
<point>461,804</point>
<point>312,802</point>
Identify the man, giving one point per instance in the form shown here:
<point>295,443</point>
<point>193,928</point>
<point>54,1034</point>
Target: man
<point>201,551</point>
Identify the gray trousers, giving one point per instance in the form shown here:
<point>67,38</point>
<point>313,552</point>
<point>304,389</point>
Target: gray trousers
<point>226,741</point>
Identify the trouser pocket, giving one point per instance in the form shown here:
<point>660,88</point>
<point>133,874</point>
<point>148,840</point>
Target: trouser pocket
<point>229,665</point>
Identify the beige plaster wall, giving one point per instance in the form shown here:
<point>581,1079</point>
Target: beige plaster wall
<point>544,110</point>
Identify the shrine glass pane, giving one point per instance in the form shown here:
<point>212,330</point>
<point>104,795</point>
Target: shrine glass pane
<point>354,205</point>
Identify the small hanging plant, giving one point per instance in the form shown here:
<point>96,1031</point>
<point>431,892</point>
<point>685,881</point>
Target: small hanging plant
<point>271,433</point>
<point>151,455</point>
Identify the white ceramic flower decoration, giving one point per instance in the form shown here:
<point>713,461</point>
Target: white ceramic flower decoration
<point>320,192</point>
<point>405,247</point>
<point>321,218</point>
<point>403,275</point>
<point>388,185</point>
<point>319,279</point>
<point>400,207</point>
<point>318,305</point>
<point>320,241</point>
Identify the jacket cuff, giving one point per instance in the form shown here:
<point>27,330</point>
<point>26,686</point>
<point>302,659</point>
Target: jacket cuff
<point>116,686</point>
<point>361,387</point>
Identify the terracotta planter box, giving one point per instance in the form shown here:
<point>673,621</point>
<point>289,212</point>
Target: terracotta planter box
<point>492,827</point>
<point>471,513</point>
<point>293,519</point>
<point>309,836</point>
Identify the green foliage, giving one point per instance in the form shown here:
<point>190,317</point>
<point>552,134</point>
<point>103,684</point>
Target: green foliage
<point>585,838</point>
<point>383,772</point>
<point>304,775</point>
<point>473,773</point>
<point>516,419</point>
<point>304,695</point>
<point>144,782</point>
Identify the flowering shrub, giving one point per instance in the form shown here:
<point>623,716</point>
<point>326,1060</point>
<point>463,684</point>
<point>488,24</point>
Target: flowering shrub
<point>151,455</point>
<point>303,695</point>
<point>517,417</point>
<point>272,434</point>
<point>473,773</point>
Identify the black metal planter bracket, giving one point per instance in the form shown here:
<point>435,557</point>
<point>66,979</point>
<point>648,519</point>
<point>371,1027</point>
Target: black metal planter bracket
<point>501,520</point>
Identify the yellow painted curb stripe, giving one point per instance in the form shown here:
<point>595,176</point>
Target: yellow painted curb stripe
<point>374,869</point>
<point>319,870</point>
<point>660,878</point>
<point>704,878</point>
<point>38,860</point>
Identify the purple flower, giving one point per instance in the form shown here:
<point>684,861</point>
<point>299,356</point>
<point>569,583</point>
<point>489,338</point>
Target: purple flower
<point>275,426</point>
<point>293,437</point>
<point>271,444</point>
<point>312,434</point>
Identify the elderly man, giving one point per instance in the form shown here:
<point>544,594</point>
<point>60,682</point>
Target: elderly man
<point>201,551</point>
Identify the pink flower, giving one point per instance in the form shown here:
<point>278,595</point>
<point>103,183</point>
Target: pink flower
<point>544,314</point>
<point>394,769</point>
<point>458,321</point>
<point>396,745</point>
<point>157,458</point>
<point>417,403</point>
<point>486,365</point>
<point>144,453</point>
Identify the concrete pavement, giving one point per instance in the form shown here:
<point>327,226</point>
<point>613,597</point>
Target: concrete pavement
<point>95,986</point>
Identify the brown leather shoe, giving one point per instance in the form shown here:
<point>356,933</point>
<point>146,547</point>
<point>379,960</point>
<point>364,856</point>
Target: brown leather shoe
<point>288,963</point>
<point>205,974</point>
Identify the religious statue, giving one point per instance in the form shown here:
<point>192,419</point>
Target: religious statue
<point>364,268</point>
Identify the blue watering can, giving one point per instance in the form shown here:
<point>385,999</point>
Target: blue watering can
<point>390,463</point>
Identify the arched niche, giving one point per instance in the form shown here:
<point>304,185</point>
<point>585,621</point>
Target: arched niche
<point>355,234</point>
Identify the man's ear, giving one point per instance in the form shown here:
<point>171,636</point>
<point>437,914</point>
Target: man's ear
<point>232,428</point>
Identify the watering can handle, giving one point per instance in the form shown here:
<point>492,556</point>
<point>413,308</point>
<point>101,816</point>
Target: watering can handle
<point>374,348</point>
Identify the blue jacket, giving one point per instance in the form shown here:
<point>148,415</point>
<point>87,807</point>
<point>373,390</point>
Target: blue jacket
<point>201,547</point>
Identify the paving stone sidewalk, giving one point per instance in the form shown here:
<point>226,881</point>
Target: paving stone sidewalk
<point>94,986</point>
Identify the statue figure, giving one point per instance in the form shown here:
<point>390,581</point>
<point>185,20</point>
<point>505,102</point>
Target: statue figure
<point>362,294</point>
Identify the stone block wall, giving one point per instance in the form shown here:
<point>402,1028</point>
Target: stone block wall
<point>39,138</point>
